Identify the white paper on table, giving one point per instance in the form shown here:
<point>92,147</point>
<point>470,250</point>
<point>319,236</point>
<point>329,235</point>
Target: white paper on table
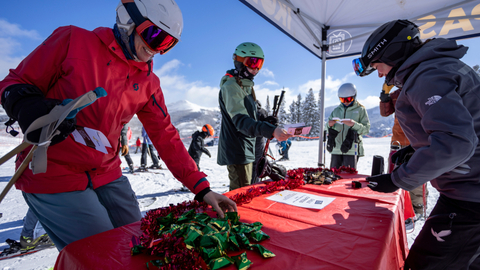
<point>91,138</point>
<point>301,199</point>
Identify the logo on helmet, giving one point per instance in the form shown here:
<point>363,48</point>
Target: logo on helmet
<point>377,48</point>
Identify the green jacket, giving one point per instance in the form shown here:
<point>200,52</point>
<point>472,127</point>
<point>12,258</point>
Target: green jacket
<point>356,112</point>
<point>240,127</point>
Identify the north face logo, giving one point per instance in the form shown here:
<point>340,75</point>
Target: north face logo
<point>433,100</point>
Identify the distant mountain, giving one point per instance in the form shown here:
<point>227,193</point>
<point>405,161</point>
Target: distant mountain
<point>186,116</point>
<point>189,117</point>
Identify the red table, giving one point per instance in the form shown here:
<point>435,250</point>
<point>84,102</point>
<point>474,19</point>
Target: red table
<point>360,229</point>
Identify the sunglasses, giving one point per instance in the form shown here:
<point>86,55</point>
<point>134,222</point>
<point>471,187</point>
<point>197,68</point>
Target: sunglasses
<point>155,38</point>
<point>346,99</point>
<point>251,62</point>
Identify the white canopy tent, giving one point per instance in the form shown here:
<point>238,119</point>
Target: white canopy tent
<point>338,28</point>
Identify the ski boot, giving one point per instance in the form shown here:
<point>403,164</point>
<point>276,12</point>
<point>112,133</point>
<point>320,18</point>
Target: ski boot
<point>130,166</point>
<point>28,243</point>
<point>155,166</point>
<point>142,169</point>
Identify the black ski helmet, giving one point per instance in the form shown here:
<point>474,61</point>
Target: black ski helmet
<point>392,43</point>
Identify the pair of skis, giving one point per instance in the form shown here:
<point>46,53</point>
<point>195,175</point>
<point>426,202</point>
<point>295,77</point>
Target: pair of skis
<point>262,165</point>
<point>48,125</point>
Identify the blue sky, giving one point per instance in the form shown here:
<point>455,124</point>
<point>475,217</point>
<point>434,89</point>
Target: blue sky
<point>192,70</point>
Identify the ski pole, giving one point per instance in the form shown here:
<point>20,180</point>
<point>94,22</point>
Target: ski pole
<point>49,124</point>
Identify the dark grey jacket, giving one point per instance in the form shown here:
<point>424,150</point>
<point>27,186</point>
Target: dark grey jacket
<point>240,127</point>
<point>439,111</point>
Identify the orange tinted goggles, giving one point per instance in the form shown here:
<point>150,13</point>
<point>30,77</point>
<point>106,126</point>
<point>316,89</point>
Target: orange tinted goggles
<point>346,99</point>
<point>155,38</point>
<point>251,62</point>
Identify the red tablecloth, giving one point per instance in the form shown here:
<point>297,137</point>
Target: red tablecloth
<point>360,229</point>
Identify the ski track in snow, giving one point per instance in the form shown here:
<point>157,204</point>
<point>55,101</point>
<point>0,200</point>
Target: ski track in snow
<point>166,190</point>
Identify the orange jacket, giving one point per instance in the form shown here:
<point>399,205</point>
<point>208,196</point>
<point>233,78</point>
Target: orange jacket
<point>388,108</point>
<point>73,61</point>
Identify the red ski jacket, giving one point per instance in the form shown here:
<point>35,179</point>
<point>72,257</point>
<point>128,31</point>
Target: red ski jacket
<point>73,61</point>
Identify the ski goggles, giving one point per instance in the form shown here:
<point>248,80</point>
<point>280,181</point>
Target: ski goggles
<point>346,99</point>
<point>360,68</point>
<point>251,62</point>
<point>155,38</point>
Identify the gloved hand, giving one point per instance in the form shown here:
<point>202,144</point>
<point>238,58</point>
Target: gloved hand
<point>403,155</point>
<point>208,154</point>
<point>387,88</point>
<point>382,183</point>
<point>272,120</point>
<point>332,134</point>
<point>384,97</point>
<point>349,140</point>
<point>124,150</point>
<point>25,103</point>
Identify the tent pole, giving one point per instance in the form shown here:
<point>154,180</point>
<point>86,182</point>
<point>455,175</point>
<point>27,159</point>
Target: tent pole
<point>322,96</point>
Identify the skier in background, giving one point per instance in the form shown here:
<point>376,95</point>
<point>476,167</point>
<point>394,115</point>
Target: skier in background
<point>125,150</point>
<point>148,150</point>
<point>283,148</point>
<point>197,145</point>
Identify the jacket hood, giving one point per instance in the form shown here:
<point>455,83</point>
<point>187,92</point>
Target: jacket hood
<point>436,48</point>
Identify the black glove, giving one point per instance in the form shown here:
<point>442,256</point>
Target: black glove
<point>384,97</point>
<point>382,183</point>
<point>208,154</point>
<point>25,103</point>
<point>272,120</point>
<point>349,140</point>
<point>403,155</point>
<point>332,134</point>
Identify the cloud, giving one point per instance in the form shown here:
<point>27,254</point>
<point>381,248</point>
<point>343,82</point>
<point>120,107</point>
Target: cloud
<point>370,102</point>
<point>176,87</point>
<point>15,30</point>
<point>266,72</point>
<point>269,83</point>
<point>7,61</point>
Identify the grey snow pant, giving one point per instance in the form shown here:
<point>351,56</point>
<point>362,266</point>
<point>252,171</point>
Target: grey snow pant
<point>71,216</point>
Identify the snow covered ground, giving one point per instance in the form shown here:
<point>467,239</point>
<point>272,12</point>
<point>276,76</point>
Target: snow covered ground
<point>156,190</point>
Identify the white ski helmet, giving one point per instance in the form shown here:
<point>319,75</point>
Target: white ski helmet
<point>347,90</point>
<point>165,14</point>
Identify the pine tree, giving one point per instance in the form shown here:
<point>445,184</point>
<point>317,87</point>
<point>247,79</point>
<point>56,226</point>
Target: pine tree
<point>309,113</point>
<point>293,113</point>
<point>298,109</point>
<point>267,106</point>
<point>282,114</point>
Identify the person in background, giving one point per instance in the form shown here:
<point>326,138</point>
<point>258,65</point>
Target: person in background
<point>283,149</point>
<point>125,150</point>
<point>438,111</point>
<point>138,144</point>
<point>346,125</point>
<point>148,150</point>
<point>83,192</point>
<point>388,99</point>
<point>240,124</point>
<point>197,145</point>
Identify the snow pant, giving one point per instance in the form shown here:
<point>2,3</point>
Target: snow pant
<point>343,160</point>
<point>129,160</point>
<point>71,216</point>
<point>29,222</point>
<point>136,149</point>
<point>417,199</point>
<point>153,155</point>
<point>197,161</point>
<point>449,239</point>
<point>240,175</point>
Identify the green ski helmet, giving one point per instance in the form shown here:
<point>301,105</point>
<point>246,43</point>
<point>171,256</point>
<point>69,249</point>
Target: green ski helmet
<point>248,49</point>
